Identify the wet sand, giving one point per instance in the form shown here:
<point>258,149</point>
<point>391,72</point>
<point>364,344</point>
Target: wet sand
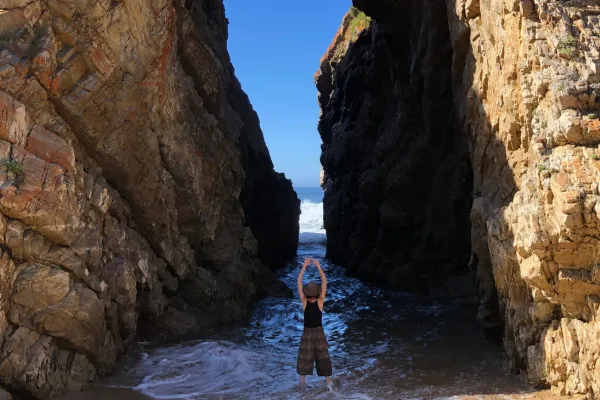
<point>104,393</point>
<point>107,393</point>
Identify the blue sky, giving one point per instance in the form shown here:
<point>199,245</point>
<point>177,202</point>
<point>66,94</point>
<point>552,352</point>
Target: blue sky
<point>275,47</point>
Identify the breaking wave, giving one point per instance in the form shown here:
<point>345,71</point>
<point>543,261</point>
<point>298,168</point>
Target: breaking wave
<point>312,230</point>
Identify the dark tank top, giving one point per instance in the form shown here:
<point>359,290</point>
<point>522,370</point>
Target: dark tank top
<point>312,315</point>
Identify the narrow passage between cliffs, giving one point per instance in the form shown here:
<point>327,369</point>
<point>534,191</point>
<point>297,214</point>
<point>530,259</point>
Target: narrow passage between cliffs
<point>383,344</point>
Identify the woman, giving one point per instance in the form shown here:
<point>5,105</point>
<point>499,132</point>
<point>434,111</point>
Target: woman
<point>313,345</point>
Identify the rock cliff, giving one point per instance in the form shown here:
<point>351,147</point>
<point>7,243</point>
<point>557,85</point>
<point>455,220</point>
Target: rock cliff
<point>513,86</point>
<point>397,176</point>
<point>135,184</point>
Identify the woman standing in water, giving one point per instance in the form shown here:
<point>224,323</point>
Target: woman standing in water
<point>313,345</point>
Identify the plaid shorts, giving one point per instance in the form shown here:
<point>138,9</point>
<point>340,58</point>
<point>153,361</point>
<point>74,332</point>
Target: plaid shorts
<point>313,348</point>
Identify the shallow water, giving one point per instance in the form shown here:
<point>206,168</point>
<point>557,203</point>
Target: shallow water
<point>383,345</point>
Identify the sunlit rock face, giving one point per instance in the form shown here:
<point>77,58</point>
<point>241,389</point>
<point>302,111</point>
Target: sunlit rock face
<point>135,185</point>
<point>515,84</point>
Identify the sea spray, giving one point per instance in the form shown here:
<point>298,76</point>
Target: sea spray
<point>311,223</point>
<point>311,219</point>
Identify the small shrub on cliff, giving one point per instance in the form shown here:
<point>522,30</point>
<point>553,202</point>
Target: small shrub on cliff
<point>360,21</point>
<point>596,156</point>
<point>569,41</point>
<point>542,167</point>
<point>15,168</point>
<point>568,46</point>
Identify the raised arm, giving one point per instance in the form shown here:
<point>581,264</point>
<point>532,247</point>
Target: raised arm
<point>300,276</point>
<point>323,283</point>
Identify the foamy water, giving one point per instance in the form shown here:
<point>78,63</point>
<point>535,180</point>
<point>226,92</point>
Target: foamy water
<point>199,370</point>
<point>311,218</point>
<point>384,345</point>
<point>312,230</point>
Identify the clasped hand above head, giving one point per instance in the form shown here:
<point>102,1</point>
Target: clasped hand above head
<point>309,260</point>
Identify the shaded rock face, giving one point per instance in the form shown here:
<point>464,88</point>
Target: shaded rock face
<point>396,169</point>
<point>523,93</point>
<point>135,185</point>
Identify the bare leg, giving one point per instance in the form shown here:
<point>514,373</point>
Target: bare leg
<point>328,380</point>
<point>302,384</point>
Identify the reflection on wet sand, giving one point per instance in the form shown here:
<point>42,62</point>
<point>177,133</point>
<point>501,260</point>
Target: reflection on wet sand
<point>104,393</point>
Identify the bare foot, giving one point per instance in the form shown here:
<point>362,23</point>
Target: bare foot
<point>302,384</point>
<point>328,381</point>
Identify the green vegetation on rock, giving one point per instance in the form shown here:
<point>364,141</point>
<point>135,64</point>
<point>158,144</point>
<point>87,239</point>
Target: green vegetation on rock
<point>360,21</point>
<point>568,46</point>
<point>13,166</point>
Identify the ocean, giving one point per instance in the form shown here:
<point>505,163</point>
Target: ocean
<point>312,231</point>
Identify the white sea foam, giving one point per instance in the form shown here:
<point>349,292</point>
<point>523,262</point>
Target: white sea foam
<point>311,222</point>
<point>205,368</point>
<point>311,219</point>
